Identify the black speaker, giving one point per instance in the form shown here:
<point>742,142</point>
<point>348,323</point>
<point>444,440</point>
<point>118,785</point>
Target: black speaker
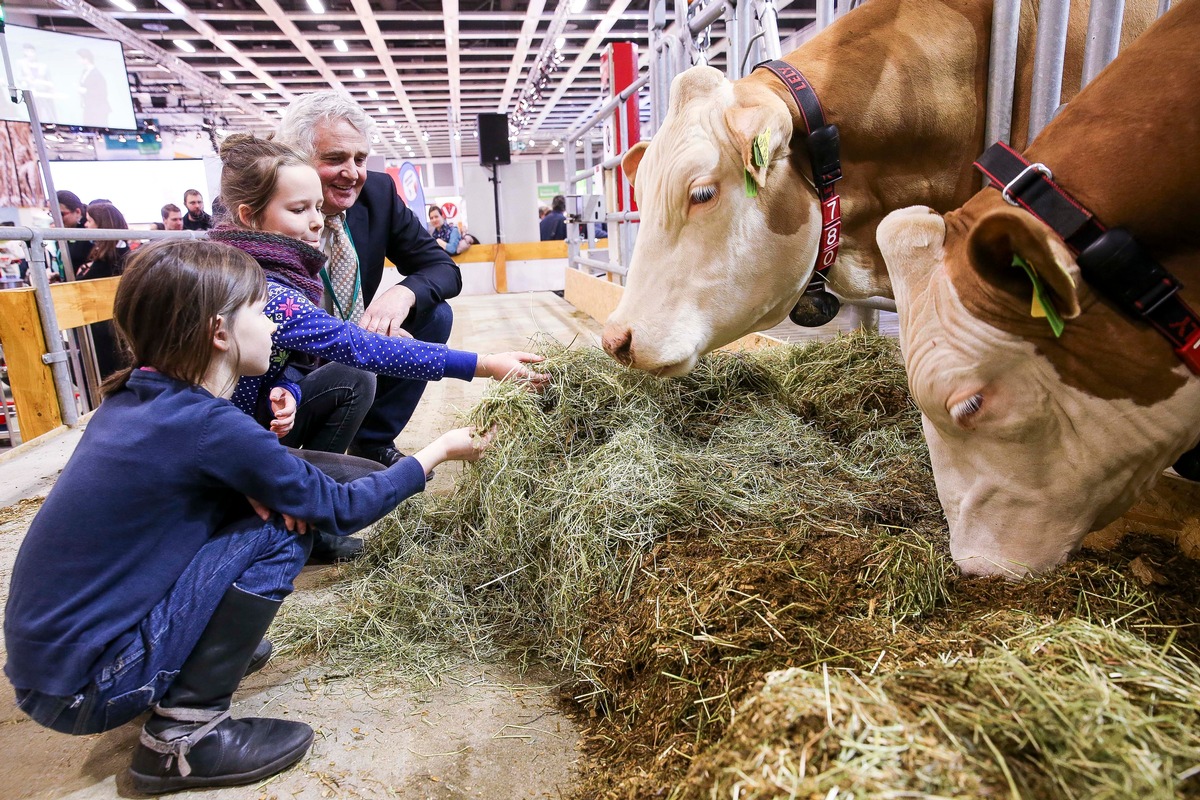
<point>493,140</point>
<point>158,101</point>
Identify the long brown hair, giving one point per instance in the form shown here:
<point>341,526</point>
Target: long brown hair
<point>168,302</point>
<point>108,217</point>
<point>249,173</point>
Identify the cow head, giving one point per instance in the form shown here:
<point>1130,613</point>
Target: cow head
<point>1034,440</point>
<point>705,269</point>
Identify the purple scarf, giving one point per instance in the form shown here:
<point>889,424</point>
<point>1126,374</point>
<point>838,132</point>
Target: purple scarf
<point>286,260</point>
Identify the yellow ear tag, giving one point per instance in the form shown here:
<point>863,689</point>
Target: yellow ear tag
<point>758,156</point>
<point>1041,306</point>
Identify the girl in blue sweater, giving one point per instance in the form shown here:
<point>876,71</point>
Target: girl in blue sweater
<point>145,580</point>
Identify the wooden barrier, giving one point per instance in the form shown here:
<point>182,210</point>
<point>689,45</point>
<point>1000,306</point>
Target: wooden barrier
<point>598,298</point>
<point>76,303</point>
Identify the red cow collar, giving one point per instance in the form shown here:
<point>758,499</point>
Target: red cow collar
<point>1109,258</point>
<point>824,155</point>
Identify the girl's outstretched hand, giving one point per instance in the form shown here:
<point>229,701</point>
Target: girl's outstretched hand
<point>460,444</point>
<point>514,364</point>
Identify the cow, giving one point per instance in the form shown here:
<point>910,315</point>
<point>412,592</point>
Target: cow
<point>903,80</point>
<point>1037,439</point>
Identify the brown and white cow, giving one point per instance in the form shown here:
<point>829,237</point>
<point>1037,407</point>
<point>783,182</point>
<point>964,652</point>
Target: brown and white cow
<point>1037,440</point>
<point>903,80</point>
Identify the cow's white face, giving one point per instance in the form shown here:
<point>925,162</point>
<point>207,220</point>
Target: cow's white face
<point>1032,447</point>
<point>707,265</point>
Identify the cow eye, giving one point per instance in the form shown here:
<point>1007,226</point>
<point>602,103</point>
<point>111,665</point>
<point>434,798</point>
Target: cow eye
<point>962,411</point>
<point>702,194</point>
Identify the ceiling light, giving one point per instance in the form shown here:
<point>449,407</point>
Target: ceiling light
<point>560,42</point>
<point>228,75</point>
<point>399,139</point>
<point>340,44</point>
<point>124,5</point>
<point>578,5</point>
<point>425,135</point>
<point>359,72</point>
<point>554,142</point>
<point>329,27</point>
<point>258,96</point>
<point>475,132</point>
<point>532,143</point>
<point>316,6</point>
<point>184,45</point>
<point>382,109</point>
<point>371,93</point>
<point>157,27</point>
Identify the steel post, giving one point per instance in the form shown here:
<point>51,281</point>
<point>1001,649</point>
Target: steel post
<point>56,355</point>
<point>1048,58</point>
<point>1103,37</point>
<point>1002,71</point>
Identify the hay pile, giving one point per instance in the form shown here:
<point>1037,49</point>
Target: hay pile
<point>669,542</point>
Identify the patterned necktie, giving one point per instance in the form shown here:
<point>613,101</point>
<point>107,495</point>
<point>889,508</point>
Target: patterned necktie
<point>343,270</point>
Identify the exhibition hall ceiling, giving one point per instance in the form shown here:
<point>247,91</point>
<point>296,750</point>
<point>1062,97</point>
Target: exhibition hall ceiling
<point>423,69</point>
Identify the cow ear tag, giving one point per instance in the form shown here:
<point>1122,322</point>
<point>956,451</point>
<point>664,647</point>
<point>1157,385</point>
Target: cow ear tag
<point>758,155</point>
<point>1042,306</point>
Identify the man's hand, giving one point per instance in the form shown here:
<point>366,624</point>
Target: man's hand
<point>388,311</point>
<point>298,526</point>
<point>499,366</point>
<point>283,408</point>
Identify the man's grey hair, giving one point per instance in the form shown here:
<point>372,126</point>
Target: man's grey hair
<point>299,122</point>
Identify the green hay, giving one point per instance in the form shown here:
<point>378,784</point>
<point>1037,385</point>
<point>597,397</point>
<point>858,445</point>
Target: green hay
<point>1071,710</point>
<point>584,480</point>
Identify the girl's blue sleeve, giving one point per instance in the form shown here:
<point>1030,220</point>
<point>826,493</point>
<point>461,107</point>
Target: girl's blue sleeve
<point>306,328</point>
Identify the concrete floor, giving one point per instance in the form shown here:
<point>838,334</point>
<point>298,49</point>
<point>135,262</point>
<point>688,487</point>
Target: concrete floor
<point>483,731</point>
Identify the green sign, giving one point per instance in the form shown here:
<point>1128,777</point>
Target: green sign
<point>547,191</point>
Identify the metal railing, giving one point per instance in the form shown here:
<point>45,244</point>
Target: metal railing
<point>57,354</point>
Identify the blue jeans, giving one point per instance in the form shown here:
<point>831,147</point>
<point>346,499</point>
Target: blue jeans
<point>262,558</point>
<point>397,398</point>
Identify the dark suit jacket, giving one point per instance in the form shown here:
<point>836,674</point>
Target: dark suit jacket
<point>553,227</point>
<point>382,226</point>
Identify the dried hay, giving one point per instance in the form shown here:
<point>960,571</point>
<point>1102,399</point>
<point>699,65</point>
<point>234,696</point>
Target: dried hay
<point>669,542</point>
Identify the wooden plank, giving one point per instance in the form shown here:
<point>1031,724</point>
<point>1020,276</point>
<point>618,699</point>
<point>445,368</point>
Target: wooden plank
<point>521,251</point>
<point>500,269</point>
<point>83,302</point>
<point>32,382</point>
<point>598,299</point>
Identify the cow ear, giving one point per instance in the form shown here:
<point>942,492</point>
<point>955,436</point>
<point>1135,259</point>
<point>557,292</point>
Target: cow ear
<point>1005,232</point>
<point>633,159</point>
<point>763,114</point>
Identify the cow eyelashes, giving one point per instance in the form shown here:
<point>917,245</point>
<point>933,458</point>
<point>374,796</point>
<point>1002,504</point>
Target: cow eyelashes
<point>964,410</point>
<point>702,194</point>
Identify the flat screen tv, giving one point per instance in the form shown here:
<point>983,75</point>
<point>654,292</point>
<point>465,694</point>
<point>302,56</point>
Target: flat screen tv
<point>76,80</point>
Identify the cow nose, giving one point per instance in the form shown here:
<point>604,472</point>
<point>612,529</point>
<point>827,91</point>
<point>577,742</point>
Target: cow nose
<point>618,342</point>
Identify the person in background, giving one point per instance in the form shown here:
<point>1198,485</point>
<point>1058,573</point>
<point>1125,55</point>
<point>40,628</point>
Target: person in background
<point>74,215</point>
<point>93,91</point>
<point>553,226</point>
<point>366,222</point>
<point>118,607</point>
<point>106,260</point>
<point>446,235</point>
<point>542,212</point>
<point>172,217</point>
<point>196,219</point>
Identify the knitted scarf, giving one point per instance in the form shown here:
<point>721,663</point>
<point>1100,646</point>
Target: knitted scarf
<point>286,260</point>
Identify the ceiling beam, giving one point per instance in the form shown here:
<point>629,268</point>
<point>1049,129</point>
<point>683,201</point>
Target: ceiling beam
<point>453,75</point>
<point>371,26</point>
<point>524,42</point>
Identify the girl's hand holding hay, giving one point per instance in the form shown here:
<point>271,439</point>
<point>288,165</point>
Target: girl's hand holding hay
<point>499,366</point>
<point>460,444</point>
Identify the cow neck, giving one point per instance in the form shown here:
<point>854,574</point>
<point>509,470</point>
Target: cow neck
<point>824,153</point>
<point>1109,259</point>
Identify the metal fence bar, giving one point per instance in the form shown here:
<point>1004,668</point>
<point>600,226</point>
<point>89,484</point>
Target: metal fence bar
<point>1051,50</point>
<point>1002,71</point>
<point>1103,37</point>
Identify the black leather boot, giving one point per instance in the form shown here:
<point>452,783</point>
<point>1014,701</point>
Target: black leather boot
<point>262,654</point>
<point>190,740</point>
<point>330,549</point>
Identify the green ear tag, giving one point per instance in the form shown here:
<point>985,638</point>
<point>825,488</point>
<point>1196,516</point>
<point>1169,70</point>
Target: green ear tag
<point>1041,297</point>
<point>762,146</point>
<point>758,155</point>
